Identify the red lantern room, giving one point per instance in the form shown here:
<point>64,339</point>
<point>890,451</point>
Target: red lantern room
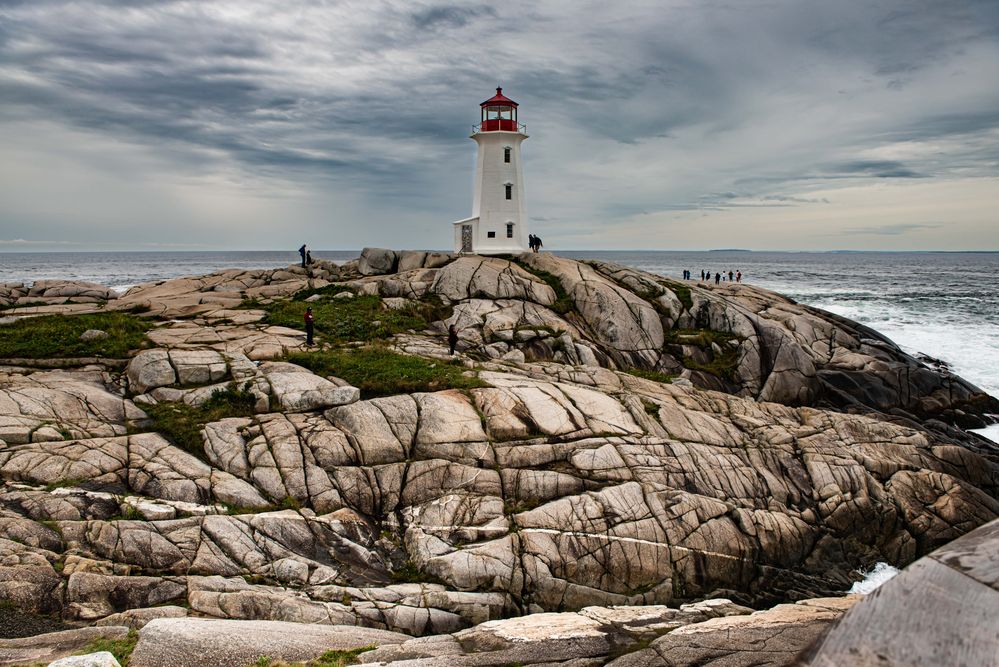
<point>499,114</point>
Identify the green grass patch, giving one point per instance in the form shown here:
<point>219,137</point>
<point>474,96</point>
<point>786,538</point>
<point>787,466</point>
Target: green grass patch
<point>655,376</point>
<point>128,513</point>
<point>290,503</point>
<point>327,659</point>
<point>563,302</point>
<point>24,304</point>
<point>181,423</point>
<point>329,290</point>
<point>681,291</point>
<point>723,365</point>
<point>408,573</point>
<point>650,407</point>
<point>526,505</point>
<point>50,336</point>
<point>63,484</point>
<point>361,318</point>
<point>121,649</point>
<point>378,371</point>
<point>699,337</point>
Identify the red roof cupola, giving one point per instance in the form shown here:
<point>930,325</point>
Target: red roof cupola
<point>499,114</point>
<point>499,99</point>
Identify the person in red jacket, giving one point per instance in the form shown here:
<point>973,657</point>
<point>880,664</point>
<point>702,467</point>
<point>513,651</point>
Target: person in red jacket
<point>309,324</point>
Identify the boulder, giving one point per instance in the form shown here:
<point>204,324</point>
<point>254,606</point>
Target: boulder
<point>772,638</point>
<point>93,334</point>
<point>583,638</point>
<point>54,645</point>
<point>150,369</point>
<point>92,596</point>
<point>99,659</point>
<point>175,642</point>
<point>31,584</point>
<point>490,278</point>
<point>296,389</point>
<point>410,260</point>
<point>136,619</point>
<point>377,261</point>
<point>70,290</point>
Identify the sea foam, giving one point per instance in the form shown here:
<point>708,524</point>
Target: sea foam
<point>873,578</point>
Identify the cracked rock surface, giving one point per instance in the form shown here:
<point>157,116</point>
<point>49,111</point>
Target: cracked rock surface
<point>563,512</point>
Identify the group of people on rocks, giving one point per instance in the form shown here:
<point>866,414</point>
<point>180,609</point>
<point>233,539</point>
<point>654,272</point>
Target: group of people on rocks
<point>534,242</point>
<point>732,276</point>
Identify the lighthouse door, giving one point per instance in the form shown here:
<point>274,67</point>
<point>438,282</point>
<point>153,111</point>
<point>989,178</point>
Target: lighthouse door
<point>466,238</point>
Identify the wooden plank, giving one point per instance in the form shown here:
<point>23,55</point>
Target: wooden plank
<point>930,615</point>
<point>975,554</point>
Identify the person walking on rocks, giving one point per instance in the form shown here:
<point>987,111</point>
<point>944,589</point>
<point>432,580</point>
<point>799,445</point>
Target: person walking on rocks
<point>303,251</point>
<point>452,338</point>
<point>309,325</point>
<point>731,276</point>
<point>537,243</point>
<point>717,278</point>
<point>738,276</point>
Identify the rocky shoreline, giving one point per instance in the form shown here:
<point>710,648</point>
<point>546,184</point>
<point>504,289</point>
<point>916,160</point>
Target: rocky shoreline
<point>613,456</point>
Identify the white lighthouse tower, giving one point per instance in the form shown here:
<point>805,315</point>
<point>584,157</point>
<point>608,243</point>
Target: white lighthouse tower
<point>498,224</point>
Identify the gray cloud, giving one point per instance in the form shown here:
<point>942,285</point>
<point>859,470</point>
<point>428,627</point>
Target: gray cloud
<point>639,112</point>
<point>892,230</point>
<point>876,168</point>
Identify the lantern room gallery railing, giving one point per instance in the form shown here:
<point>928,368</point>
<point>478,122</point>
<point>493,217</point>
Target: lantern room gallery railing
<point>499,125</point>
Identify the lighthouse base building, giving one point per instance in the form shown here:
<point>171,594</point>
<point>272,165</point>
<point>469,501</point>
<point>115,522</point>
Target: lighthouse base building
<point>498,224</point>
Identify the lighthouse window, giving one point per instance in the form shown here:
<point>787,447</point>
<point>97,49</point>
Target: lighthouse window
<point>491,235</point>
<point>506,155</point>
<point>509,191</point>
<point>509,230</point>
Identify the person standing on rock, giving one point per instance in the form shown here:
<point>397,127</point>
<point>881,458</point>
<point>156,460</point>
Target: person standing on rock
<point>537,243</point>
<point>717,278</point>
<point>303,251</point>
<point>309,325</point>
<point>452,338</point>
<point>731,276</point>
<point>738,276</point>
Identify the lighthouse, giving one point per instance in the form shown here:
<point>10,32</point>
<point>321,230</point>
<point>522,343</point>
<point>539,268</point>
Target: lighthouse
<point>498,224</point>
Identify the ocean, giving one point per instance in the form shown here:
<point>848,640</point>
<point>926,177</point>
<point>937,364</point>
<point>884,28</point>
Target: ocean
<point>944,305</point>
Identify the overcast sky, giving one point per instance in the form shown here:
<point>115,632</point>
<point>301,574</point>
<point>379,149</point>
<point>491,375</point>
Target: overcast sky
<point>653,125</point>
